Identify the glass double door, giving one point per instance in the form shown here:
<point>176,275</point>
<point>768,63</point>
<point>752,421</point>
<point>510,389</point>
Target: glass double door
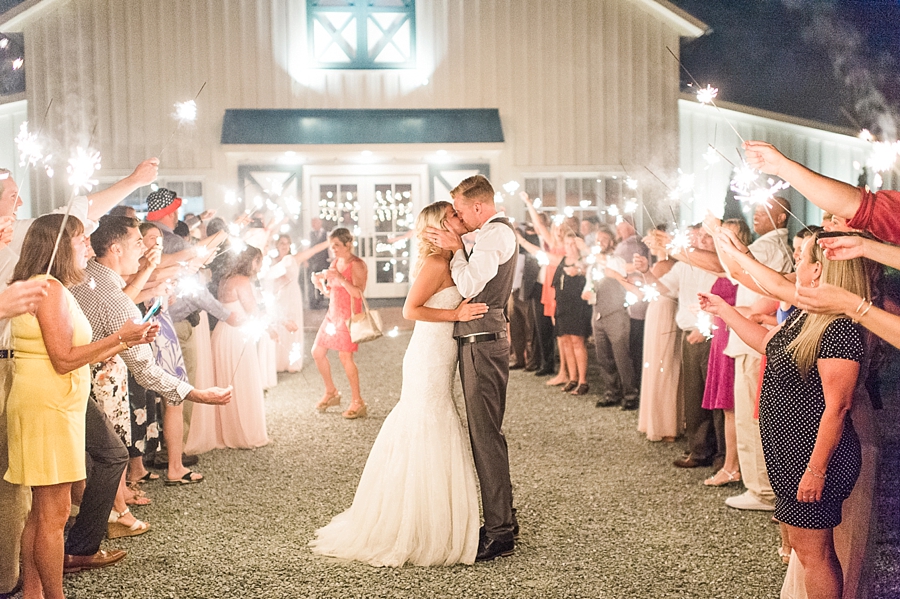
<point>381,212</point>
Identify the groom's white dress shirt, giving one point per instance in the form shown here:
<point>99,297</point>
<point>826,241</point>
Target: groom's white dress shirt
<point>495,243</point>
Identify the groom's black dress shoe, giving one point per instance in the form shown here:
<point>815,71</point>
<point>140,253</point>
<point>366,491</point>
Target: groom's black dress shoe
<point>489,549</point>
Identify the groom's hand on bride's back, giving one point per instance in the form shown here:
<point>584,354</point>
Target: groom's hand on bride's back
<point>466,311</point>
<point>447,240</point>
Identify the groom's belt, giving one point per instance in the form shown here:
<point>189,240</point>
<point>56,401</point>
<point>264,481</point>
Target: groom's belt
<point>481,337</point>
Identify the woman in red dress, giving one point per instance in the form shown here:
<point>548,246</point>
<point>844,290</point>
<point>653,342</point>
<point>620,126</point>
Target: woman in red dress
<point>343,282</point>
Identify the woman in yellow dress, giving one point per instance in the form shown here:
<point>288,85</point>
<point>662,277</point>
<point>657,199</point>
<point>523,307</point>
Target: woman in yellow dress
<point>47,402</point>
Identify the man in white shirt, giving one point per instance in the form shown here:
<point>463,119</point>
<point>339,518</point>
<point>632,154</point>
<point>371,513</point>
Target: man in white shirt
<point>486,276</point>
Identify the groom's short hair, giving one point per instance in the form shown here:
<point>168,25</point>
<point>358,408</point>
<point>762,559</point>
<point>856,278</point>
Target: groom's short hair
<point>472,188</point>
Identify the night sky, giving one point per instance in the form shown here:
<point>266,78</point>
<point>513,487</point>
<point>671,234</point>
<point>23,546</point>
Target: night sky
<point>835,61</point>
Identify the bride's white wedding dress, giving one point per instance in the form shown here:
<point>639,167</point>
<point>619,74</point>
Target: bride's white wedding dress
<point>416,501</point>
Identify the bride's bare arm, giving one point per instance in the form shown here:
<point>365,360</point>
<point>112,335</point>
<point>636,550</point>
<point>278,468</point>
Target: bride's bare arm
<point>432,277</point>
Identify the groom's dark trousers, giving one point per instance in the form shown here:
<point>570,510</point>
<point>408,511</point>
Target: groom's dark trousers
<point>484,371</point>
<point>484,388</point>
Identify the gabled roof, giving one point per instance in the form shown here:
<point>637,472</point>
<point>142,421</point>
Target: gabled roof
<point>686,23</point>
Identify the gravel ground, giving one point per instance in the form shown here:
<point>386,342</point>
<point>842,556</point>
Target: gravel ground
<point>602,511</point>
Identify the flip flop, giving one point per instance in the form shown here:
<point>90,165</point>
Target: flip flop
<point>184,480</point>
<point>146,478</point>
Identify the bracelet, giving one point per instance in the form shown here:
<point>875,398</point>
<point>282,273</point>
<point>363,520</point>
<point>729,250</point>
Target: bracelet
<point>867,308</point>
<point>122,343</point>
<point>816,474</point>
<point>862,301</point>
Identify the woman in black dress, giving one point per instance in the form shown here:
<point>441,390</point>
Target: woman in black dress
<point>811,449</point>
<point>573,315</point>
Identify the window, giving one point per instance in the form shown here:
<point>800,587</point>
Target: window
<point>361,34</point>
<point>583,195</point>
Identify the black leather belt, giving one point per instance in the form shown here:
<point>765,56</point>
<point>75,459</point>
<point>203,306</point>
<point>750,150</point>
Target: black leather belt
<point>6,354</point>
<point>482,337</point>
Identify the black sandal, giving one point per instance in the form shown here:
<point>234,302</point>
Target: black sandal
<point>581,389</point>
<point>569,386</point>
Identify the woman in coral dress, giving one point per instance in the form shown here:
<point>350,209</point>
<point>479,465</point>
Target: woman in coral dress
<point>343,282</point>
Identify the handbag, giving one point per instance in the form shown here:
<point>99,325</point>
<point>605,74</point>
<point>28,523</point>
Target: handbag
<point>364,326</point>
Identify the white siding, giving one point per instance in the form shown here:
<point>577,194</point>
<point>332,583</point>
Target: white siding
<point>581,85</point>
<point>826,152</point>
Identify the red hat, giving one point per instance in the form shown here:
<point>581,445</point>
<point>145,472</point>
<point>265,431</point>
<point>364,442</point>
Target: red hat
<point>161,203</point>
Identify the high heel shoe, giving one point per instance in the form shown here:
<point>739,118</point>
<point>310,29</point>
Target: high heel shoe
<point>355,411</point>
<point>115,529</point>
<point>330,401</point>
<point>581,389</point>
<point>570,386</point>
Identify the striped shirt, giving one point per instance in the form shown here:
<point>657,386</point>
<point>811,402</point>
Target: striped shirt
<point>106,306</point>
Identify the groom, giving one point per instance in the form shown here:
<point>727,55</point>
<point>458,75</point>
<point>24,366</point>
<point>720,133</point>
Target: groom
<point>485,275</point>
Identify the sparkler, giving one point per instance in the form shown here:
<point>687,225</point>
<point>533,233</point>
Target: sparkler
<point>705,95</point>
<point>705,324</point>
<point>32,150</point>
<point>81,172</point>
<point>185,112</point>
<point>681,242</point>
<point>394,332</point>
<point>651,293</point>
<point>630,299</point>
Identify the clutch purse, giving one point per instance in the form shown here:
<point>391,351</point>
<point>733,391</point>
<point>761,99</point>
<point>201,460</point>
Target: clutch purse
<point>364,326</point>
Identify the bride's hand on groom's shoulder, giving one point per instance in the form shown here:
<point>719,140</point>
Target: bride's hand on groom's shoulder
<point>447,240</point>
<point>466,311</point>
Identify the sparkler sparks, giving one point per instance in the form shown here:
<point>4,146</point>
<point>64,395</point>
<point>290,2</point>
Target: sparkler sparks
<point>705,324</point>
<point>631,206</point>
<point>631,183</point>
<point>393,332</point>
<point>82,166</point>
<point>296,353</point>
<point>17,63</point>
<point>711,156</point>
<point>681,242</point>
<point>630,299</point>
<point>883,156</point>
<point>651,293</point>
<point>189,287</point>
<point>30,151</point>
<point>330,329</point>
<point>613,210</point>
<point>511,187</point>
<point>542,258</point>
<point>186,112</point>
<point>706,95</point>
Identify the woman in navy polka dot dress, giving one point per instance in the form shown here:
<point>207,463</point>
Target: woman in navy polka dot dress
<point>812,452</point>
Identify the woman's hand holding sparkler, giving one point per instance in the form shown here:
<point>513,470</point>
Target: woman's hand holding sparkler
<point>764,157</point>
<point>711,303</point>
<point>641,264</point>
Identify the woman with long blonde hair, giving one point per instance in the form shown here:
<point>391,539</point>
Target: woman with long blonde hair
<point>812,451</point>
<point>417,500</point>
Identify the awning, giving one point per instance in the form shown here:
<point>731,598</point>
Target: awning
<point>288,126</point>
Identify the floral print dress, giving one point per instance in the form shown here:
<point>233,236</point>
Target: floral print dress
<point>109,388</point>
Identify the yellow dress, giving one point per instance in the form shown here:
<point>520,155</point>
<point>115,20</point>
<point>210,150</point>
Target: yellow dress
<point>46,410</point>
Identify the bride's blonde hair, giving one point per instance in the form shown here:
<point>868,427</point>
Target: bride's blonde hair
<point>432,215</point>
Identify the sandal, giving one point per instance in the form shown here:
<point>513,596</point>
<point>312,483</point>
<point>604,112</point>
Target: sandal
<point>115,529</point>
<point>144,479</point>
<point>723,478</point>
<point>581,389</point>
<point>355,411</point>
<point>187,479</point>
<point>137,496</point>
<point>329,401</point>
<point>570,386</point>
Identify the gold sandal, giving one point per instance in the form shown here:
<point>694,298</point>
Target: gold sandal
<point>332,400</point>
<point>353,412</point>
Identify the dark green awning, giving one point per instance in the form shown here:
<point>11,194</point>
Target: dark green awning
<point>287,126</point>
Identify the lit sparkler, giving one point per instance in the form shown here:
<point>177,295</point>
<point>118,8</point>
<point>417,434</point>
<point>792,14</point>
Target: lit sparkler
<point>631,183</point>
<point>630,299</point>
<point>707,94</point>
<point>185,112</point>
<point>30,151</point>
<point>631,206</point>
<point>705,324</point>
<point>511,187</point>
<point>681,242</point>
<point>651,293</point>
<point>393,332</point>
<point>296,353</point>
<point>17,63</point>
<point>613,210</point>
<point>883,156</point>
<point>82,166</point>
<point>542,258</point>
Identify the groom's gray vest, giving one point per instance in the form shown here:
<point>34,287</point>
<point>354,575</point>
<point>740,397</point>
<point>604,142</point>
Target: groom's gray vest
<point>496,295</point>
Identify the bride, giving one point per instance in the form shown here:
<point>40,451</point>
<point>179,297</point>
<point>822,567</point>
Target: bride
<point>416,501</point>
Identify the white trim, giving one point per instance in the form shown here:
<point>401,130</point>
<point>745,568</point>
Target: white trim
<point>686,23</point>
<point>15,19</point>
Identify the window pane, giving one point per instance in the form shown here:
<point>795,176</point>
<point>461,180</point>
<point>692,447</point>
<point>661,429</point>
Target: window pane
<point>573,192</point>
<point>548,193</point>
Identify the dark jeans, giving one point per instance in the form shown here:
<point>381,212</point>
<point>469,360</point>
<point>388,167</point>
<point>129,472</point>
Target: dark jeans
<point>636,343</point>
<point>106,461</point>
<point>546,339</point>
<point>699,431</point>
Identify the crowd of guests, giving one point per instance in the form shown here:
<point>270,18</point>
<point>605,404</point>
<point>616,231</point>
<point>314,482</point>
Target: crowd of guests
<point>761,355</point>
<point>129,344</point>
